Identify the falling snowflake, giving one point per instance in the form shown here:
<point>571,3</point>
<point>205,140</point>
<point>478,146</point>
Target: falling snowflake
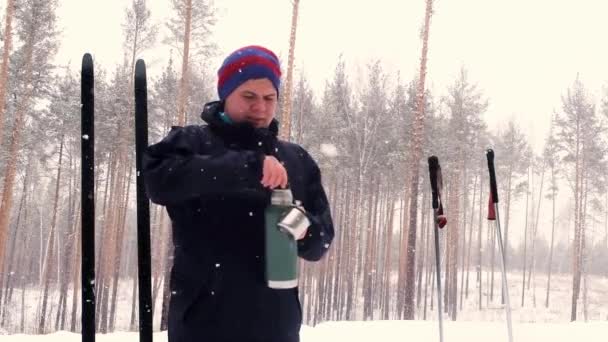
<point>329,150</point>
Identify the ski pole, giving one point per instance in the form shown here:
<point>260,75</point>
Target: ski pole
<point>440,221</point>
<point>87,199</point>
<point>143,206</point>
<point>494,200</point>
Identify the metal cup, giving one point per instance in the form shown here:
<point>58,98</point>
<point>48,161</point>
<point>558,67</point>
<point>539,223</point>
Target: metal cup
<point>295,222</point>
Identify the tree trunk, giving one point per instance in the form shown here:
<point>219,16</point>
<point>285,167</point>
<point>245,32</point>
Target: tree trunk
<point>422,256</point>
<point>344,269</point>
<point>286,105</point>
<point>583,254</point>
<point>6,50</point>
<point>470,239</point>
<point>8,289</point>
<point>110,233</point>
<point>15,144</point>
<point>370,260</point>
<point>352,249</point>
<point>453,238</point>
<point>105,225</point>
<point>118,248</point>
<point>76,269</point>
<point>68,261</point>
<point>168,251</point>
<point>184,80</point>
<point>134,301</point>
<point>479,235</point>
<point>527,214</point>
<point>414,158</point>
<point>387,261</point>
<point>576,279</point>
<point>49,264</point>
<point>157,254</point>
<point>464,233</point>
<point>532,270</point>
<point>550,263</point>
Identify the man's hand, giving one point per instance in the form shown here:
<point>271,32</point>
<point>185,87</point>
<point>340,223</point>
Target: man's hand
<point>273,173</point>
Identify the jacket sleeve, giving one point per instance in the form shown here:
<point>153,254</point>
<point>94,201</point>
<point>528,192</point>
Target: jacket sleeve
<point>183,166</point>
<point>321,231</point>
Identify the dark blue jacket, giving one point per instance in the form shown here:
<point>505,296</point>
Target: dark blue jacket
<point>208,177</point>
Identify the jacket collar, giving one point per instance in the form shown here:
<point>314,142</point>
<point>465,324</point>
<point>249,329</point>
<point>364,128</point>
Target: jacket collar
<point>242,133</point>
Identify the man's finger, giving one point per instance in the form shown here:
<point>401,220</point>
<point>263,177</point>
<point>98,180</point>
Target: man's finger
<point>275,180</point>
<point>266,171</point>
<point>285,179</point>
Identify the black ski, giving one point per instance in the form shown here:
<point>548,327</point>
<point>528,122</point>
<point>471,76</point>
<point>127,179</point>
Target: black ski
<point>143,206</point>
<point>88,199</point>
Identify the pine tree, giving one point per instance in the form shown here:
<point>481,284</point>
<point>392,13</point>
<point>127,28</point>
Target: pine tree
<point>465,104</point>
<point>6,50</point>
<point>550,158</point>
<point>190,35</point>
<point>36,31</point>
<point>408,257</point>
<point>578,136</point>
<point>511,146</point>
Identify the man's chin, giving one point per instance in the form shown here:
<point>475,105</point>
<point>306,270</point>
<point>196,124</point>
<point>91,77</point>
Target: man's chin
<point>258,123</point>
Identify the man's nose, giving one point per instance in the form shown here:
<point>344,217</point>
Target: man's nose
<point>258,106</point>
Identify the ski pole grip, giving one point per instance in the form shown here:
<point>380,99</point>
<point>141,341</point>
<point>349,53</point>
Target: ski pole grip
<point>433,171</point>
<point>490,157</point>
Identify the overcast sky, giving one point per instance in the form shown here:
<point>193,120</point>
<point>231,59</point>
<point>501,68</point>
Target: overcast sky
<point>523,54</point>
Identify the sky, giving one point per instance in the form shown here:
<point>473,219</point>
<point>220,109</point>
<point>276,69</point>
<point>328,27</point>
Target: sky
<point>522,54</point>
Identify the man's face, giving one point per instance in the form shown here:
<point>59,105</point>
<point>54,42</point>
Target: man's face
<point>254,101</point>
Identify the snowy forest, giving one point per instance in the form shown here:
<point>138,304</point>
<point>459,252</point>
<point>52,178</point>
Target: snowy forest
<point>371,133</point>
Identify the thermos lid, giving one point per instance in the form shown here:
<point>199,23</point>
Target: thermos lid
<point>281,197</point>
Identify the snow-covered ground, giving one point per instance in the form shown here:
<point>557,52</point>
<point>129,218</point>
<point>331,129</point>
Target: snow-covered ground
<point>532,322</point>
<point>394,331</point>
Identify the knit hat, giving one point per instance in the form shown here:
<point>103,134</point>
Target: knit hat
<point>246,63</point>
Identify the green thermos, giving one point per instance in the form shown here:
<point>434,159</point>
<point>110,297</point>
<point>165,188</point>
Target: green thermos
<point>285,222</point>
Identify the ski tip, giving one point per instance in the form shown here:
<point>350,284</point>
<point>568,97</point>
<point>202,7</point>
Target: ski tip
<point>140,68</point>
<point>87,61</point>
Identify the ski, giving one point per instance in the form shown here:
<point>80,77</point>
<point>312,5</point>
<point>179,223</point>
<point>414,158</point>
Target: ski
<point>440,221</point>
<point>87,199</point>
<point>143,206</point>
<point>493,215</point>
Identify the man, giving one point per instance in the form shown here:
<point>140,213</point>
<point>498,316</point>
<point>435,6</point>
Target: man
<point>215,181</point>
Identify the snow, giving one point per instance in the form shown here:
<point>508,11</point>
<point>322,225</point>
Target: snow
<point>530,323</point>
<point>393,331</point>
<point>330,150</point>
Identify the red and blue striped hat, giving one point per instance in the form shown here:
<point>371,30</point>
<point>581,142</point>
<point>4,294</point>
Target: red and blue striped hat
<point>246,63</point>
